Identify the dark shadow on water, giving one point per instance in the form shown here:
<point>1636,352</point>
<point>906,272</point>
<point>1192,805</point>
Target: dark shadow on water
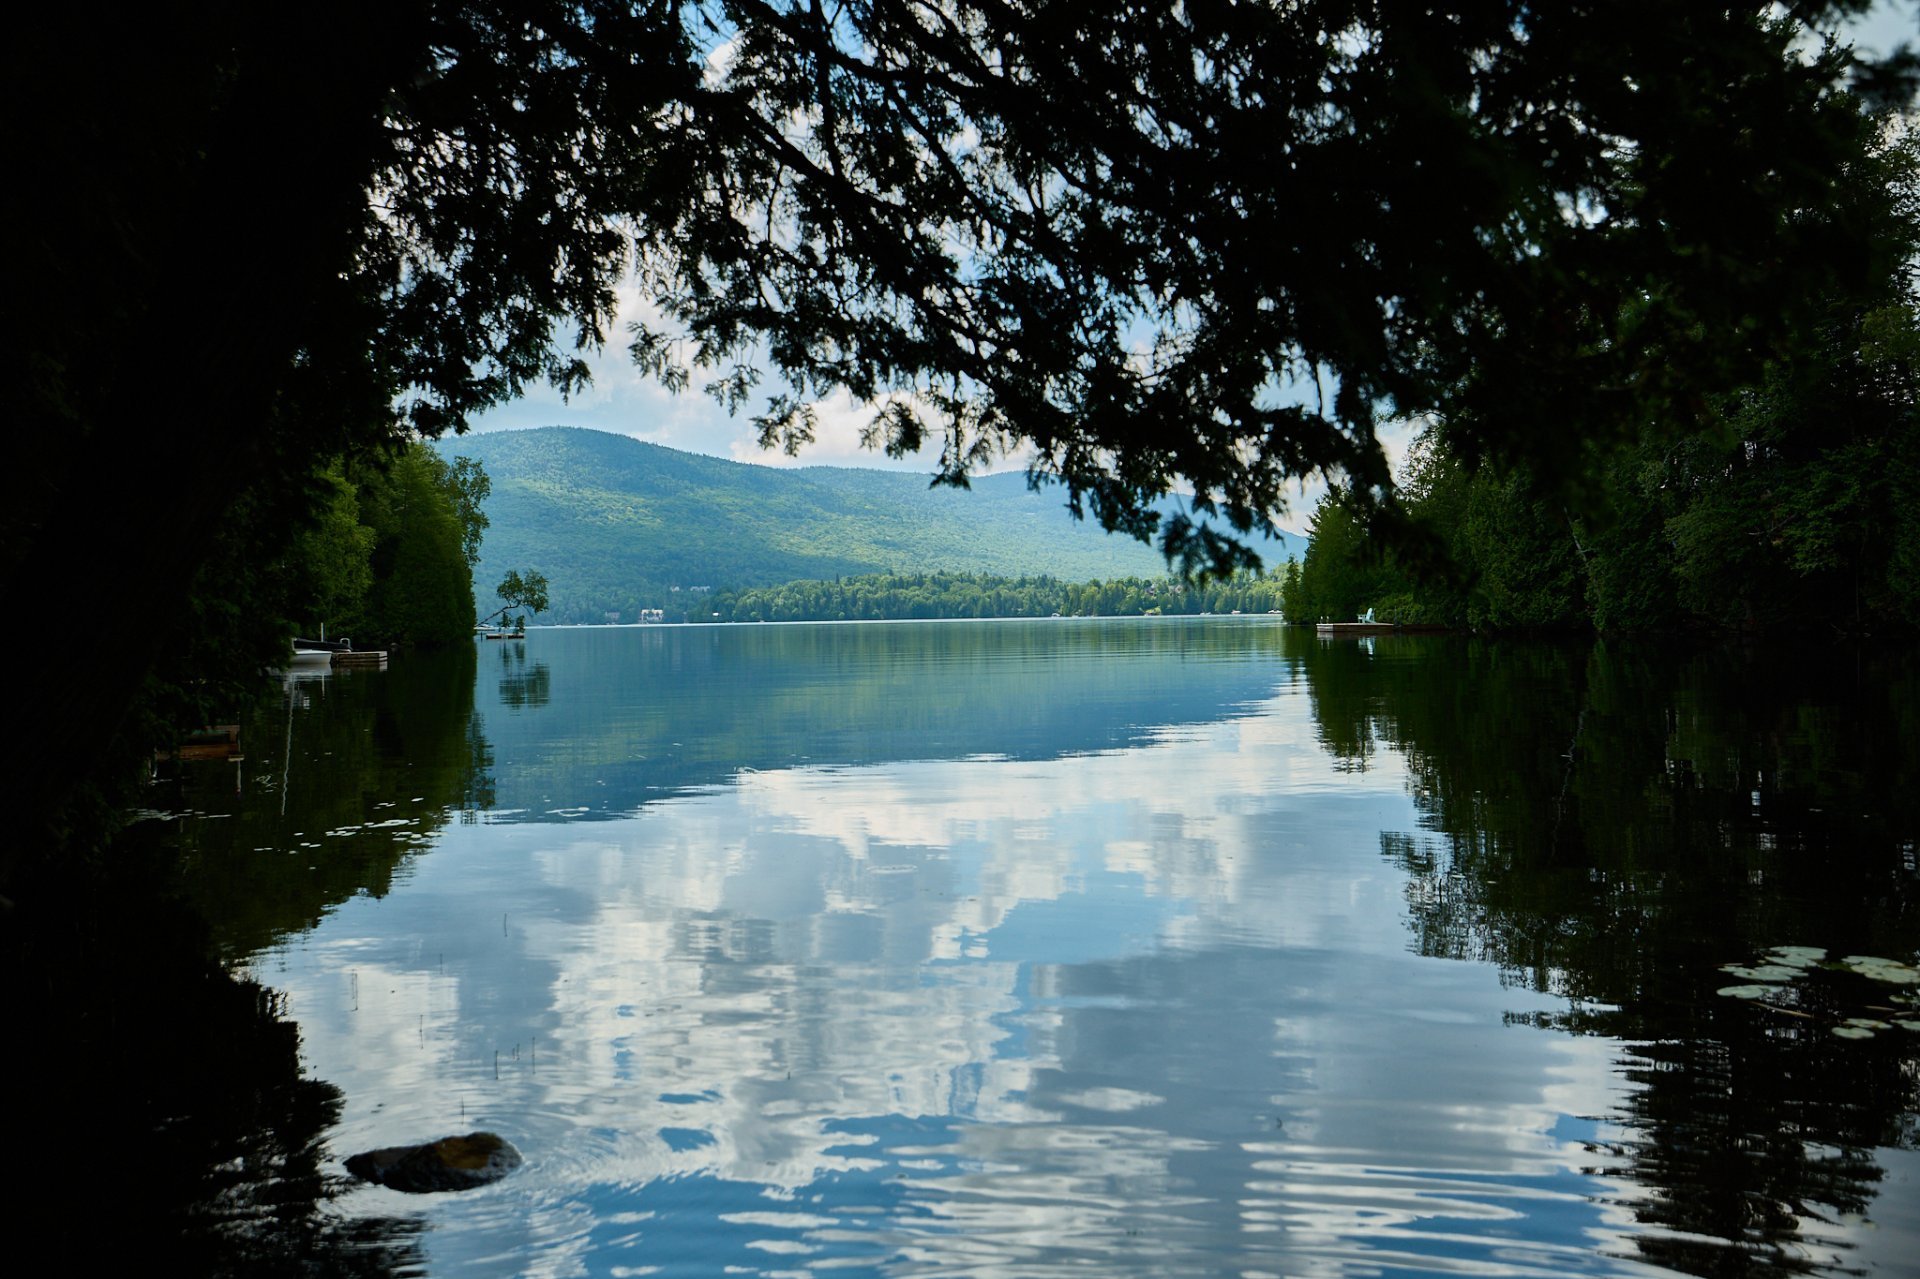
<point>1611,824</point>
<point>345,778</point>
<point>523,685</point>
<point>158,1119</point>
<point>157,1108</point>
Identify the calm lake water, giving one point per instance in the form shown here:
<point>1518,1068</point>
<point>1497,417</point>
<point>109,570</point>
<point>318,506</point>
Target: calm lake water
<point>1116,948</point>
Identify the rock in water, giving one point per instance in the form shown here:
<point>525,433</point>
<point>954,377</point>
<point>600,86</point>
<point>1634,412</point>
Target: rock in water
<point>451,1163</point>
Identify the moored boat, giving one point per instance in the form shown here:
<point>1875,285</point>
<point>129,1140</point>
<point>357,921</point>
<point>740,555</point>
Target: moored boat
<point>1355,628</point>
<point>316,652</point>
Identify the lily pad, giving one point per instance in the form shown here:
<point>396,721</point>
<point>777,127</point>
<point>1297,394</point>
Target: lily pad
<point>1904,1024</point>
<point>1797,956</point>
<point>1868,1023</point>
<point>1853,1032</point>
<point>1891,971</point>
<point>1762,972</point>
<point>1747,992</point>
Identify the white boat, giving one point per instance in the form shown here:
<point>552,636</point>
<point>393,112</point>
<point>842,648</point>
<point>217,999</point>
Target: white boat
<point>312,652</point>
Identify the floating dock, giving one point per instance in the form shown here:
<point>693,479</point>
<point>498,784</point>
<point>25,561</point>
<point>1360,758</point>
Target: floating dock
<point>215,741</point>
<point>373,659</point>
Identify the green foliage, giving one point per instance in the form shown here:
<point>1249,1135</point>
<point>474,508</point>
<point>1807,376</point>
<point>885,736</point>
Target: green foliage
<point>947,595</point>
<point>1798,510</point>
<point>387,563</point>
<point>528,590</point>
<point>1293,601</point>
<point>423,588</point>
<point>469,486</point>
<point>1517,551</point>
<point>1341,574</point>
<point>1806,515</point>
<point>335,558</point>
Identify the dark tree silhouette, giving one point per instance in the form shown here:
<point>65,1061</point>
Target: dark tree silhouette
<point>1210,243</point>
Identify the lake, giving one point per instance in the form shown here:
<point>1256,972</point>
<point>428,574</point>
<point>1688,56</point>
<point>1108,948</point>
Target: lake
<point>1121,948</point>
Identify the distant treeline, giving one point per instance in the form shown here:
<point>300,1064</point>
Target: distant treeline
<point>893,596</point>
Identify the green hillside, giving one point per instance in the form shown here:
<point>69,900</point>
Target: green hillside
<point>619,525</point>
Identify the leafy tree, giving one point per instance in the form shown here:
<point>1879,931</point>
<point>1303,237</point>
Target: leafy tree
<point>467,481</point>
<point>335,558</point>
<point>423,590</point>
<point>1113,236</point>
<point>528,591</point>
<point>1516,548</point>
<point>1292,600</point>
<point>387,562</point>
<point>1631,585</point>
<point>1795,510</point>
<point>1344,573</point>
<point>1807,514</point>
<point>1561,159</point>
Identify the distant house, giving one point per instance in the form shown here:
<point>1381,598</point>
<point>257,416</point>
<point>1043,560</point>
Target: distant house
<point>652,615</point>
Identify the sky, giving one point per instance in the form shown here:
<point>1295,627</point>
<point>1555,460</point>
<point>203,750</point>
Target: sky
<point>623,401</point>
<point>1889,23</point>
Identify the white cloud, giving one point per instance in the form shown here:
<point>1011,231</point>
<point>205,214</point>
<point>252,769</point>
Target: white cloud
<point>838,426</point>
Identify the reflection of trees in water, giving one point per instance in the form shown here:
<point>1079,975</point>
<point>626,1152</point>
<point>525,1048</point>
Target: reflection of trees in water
<point>523,686</point>
<point>162,1114</point>
<point>361,770</point>
<point>158,1116</point>
<point>478,796</point>
<point>660,710</point>
<point>1611,824</point>
<point>1750,1138</point>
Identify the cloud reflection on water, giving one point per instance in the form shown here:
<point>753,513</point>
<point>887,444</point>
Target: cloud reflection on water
<point>1145,1010</point>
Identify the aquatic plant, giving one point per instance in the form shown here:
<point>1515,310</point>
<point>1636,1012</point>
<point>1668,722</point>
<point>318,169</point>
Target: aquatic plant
<point>1780,978</point>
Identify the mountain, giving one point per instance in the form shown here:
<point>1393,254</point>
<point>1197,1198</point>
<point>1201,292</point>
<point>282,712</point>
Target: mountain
<point>618,525</point>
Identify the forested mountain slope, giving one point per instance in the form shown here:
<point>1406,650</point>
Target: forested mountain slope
<point>617,524</point>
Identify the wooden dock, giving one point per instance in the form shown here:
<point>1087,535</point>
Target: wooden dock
<point>1378,628</point>
<point>1355,628</point>
<point>373,659</point>
<point>215,741</point>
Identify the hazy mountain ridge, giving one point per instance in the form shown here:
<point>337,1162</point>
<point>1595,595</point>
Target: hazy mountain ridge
<point>617,524</point>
